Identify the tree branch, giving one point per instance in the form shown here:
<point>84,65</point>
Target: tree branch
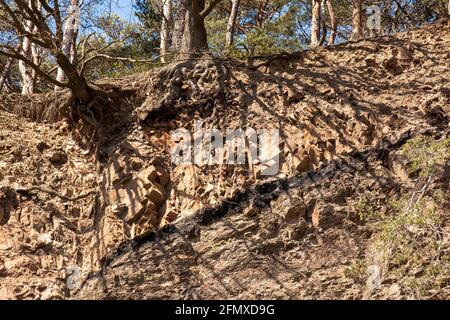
<point>31,64</point>
<point>209,8</point>
<point>105,56</point>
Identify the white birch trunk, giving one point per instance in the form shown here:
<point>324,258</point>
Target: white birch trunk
<point>229,41</point>
<point>165,24</point>
<point>26,73</point>
<point>68,42</point>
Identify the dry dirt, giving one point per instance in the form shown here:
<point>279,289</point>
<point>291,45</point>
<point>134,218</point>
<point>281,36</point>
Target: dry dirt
<point>120,221</point>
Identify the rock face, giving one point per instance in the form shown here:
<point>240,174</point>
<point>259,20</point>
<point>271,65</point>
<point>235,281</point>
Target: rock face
<point>158,229</point>
<point>139,200</point>
<point>40,234</point>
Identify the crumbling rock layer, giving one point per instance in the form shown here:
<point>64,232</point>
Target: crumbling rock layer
<point>126,222</point>
<point>139,200</point>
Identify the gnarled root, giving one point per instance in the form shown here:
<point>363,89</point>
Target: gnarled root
<point>194,80</point>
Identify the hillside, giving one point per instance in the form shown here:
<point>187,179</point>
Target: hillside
<point>96,209</point>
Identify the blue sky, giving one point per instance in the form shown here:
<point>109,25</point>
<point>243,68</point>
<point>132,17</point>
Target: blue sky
<point>123,8</point>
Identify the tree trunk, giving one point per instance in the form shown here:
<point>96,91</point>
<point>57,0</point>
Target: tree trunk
<point>67,59</point>
<point>73,49</point>
<point>5,73</point>
<point>35,51</point>
<point>333,22</point>
<point>194,34</point>
<point>178,27</point>
<point>357,27</point>
<point>323,35</point>
<point>229,41</point>
<point>69,37</point>
<point>166,11</point>
<point>26,73</point>
<point>36,60</point>
<point>315,24</point>
<point>76,82</point>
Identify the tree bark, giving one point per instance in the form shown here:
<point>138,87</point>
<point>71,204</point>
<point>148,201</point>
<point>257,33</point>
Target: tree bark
<point>36,60</point>
<point>357,27</point>
<point>229,41</point>
<point>166,12</point>
<point>333,22</point>
<point>315,24</point>
<point>178,28</point>
<point>26,73</point>
<point>323,35</point>
<point>69,37</point>
<point>76,82</point>
<point>34,49</point>
<point>5,72</point>
<point>194,33</point>
<point>73,49</point>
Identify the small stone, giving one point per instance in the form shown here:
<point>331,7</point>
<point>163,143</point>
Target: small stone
<point>302,165</point>
<point>171,216</point>
<point>146,224</point>
<point>148,175</point>
<point>405,55</point>
<point>44,240</point>
<point>163,177</point>
<point>119,209</point>
<point>295,212</point>
<point>155,194</point>
<point>315,216</point>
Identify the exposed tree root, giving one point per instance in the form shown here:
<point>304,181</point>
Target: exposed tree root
<point>36,107</point>
<point>55,193</point>
<point>193,80</point>
<point>90,119</point>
